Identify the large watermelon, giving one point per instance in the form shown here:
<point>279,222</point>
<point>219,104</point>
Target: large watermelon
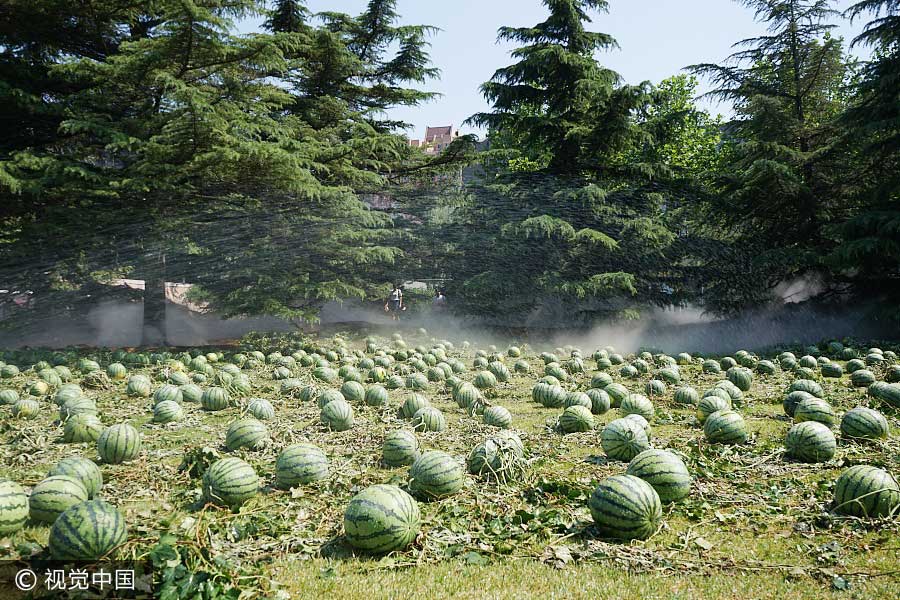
<point>810,441</point>
<point>87,531</point>
<point>400,448</point>
<point>436,474</point>
<point>82,469</point>
<point>865,491</point>
<point>300,464</point>
<point>13,507</point>
<point>119,443</point>
<point>623,439</point>
<point>663,470</point>
<point>626,507</point>
<point>50,497</point>
<point>380,519</point>
<point>864,423</point>
<point>229,482</point>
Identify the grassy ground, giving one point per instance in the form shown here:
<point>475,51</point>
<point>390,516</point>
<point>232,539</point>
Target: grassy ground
<point>755,526</point>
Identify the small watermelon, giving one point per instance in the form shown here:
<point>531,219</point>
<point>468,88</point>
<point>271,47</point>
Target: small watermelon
<point>626,507</point>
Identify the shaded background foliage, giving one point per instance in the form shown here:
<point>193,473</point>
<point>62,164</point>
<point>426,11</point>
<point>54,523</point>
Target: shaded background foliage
<point>150,141</point>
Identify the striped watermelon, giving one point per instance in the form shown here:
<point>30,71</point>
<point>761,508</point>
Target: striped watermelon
<point>53,495</point>
<point>376,395</point>
<point>741,377</point>
<point>261,409</point>
<point>436,474</point>
<point>82,428</point>
<point>413,404</point>
<point>337,415</point>
<point>429,418</point>
<point>229,482</point>
<point>353,391</point>
<point>576,418</point>
<point>168,393</point>
<point>617,393</point>
<point>9,397</point>
<point>380,519</point>
<point>686,395</point>
<point>300,464</point>
<point>138,386</point>
<point>329,395</point>
<point>13,507</point>
<point>497,416</point>
<point>862,378</point>
<point>167,411</point>
<point>500,457</point>
<point>400,448</point>
<point>485,380</point>
<point>807,385</point>
<point>626,507</point>
<point>69,391</point>
<point>416,381</point>
<point>810,441</point>
<point>815,409</point>
<point>711,367</point>
<point>725,427</point>
<point>663,470</point>
<point>77,406</point>
<point>793,399</point>
<point>636,404</point>
<point>82,469</point>
<point>711,403</point>
<point>601,380</point>
<point>623,439</point>
<point>215,398</point>
<point>866,491</point>
<point>655,387</point>
<point>600,401</point>
<point>466,393</point>
<point>119,443</point>
<point>87,531</point>
<point>191,393</point>
<point>864,423</point>
<point>247,433</point>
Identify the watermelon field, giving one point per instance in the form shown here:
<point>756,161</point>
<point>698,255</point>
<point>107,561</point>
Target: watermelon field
<point>392,464</point>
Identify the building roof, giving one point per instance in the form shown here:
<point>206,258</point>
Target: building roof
<point>433,132</point>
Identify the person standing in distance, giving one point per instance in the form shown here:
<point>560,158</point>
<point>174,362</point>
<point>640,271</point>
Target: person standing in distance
<point>394,302</point>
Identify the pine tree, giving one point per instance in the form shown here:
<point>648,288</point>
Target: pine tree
<point>782,186</point>
<point>870,247</point>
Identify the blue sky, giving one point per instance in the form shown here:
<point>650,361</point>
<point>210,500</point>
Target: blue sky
<point>657,37</point>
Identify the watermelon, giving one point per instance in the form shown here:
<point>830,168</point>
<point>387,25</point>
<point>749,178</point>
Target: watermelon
<point>436,474</point>
<point>82,469</point>
<point>229,482</point>
<point>13,507</point>
<point>623,439</point>
<point>215,398</point>
<point>741,377</point>
<point>663,470</point>
<point>725,427</point>
<point>864,423</point>
<point>247,433</point>
<point>167,411</point>
<point>87,532</point>
<point>862,378</point>
<point>26,408</point>
<point>600,401</point>
<point>353,391</point>
<point>376,395</point>
<point>578,399</point>
<point>500,457</point>
<point>138,386</point>
<point>413,404</point>
<point>485,380</point>
<point>711,403</point>
<point>576,418</point>
<point>381,519</point>
<point>793,399</point>
<point>53,495</point>
<point>636,404</point>
<point>168,393</point>
<point>82,428</point>
<point>416,382</point>
<point>711,367</point>
<point>261,409</point>
<point>601,380</point>
<point>300,464</point>
<point>429,418</point>
<point>119,443</point>
<point>77,406</point>
<point>497,416</point>
<point>617,393</point>
<point>626,507</point>
<point>329,395</point>
<point>807,385</point>
<point>191,393</point>
<point>866,491</point>
<point>815,409</point>
<point>810,441</point>
<point>686,395</point>
<point>400,448</point>
<point>337,415</point>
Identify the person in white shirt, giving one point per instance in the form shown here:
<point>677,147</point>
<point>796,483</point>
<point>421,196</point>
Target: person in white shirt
<point>394,302</point>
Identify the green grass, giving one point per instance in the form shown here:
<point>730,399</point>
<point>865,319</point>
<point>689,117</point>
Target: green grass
<point>756,524</point>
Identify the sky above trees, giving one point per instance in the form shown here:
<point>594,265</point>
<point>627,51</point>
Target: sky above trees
<point>658,38</point>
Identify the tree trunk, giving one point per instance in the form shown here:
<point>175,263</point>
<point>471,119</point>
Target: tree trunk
<point>154,328</point>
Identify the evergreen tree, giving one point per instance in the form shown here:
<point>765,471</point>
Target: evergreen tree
<point>782,186</point>
<point>870,248</point>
